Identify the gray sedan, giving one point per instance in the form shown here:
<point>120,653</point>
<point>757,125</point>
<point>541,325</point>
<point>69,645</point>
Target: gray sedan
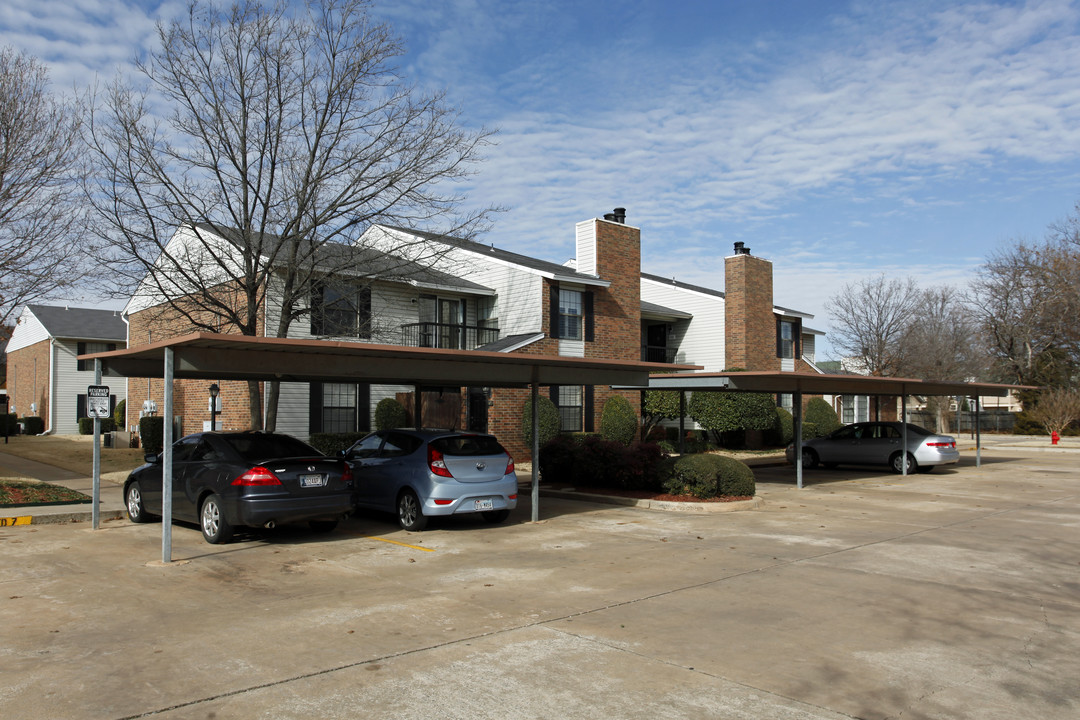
<point>879,443</point>
<point>420,473</point>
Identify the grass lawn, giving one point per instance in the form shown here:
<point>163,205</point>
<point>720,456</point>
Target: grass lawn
<point>72,452</point>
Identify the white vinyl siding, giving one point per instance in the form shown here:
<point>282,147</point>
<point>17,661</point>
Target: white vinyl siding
<point>28,331</point>
<point>69,382</point>
<point>699,341</point>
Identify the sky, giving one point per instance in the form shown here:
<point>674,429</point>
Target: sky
<point>840,140</point>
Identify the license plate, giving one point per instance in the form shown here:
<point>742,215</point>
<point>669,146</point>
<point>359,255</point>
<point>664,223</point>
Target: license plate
<point>312,480</point>
<point>484,504</point>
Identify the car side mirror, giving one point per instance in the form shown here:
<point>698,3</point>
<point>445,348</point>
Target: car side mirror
<point>152,458</point>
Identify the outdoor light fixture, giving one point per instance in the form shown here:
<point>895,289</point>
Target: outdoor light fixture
<point>214,390</point>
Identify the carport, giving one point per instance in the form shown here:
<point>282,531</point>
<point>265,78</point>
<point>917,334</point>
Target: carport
<point>798,384</point>
<point>209,356</point>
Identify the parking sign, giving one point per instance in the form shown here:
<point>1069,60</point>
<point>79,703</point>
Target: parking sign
<point>97,401</point>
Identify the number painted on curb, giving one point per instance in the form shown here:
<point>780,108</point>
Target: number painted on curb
<point>9,521</point>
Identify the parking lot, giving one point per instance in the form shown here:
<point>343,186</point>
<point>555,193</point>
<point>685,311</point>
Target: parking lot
<point>867,595</point>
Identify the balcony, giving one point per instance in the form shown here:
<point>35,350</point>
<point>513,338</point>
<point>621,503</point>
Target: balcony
<point>658,353</point>
<point>443,335</point>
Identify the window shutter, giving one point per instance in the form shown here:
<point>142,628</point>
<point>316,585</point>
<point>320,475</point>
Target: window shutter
<point>363,407</point>
<point>80,407</point>
<point>553,330</point>
<point>553,393</point>
<point>796,340</point>
<point>314,407</point>
<point>587,301</point>
<point>316,310</point>
<point>590,426</point>
<point>779,339</point>
<point>364,309</point>
<point>80,349</point>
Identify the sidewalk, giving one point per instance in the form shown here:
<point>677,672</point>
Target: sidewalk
<point>111,503</point>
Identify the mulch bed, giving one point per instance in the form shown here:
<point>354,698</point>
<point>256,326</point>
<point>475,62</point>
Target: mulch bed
<point>18,492</point>
<point>650,495</point>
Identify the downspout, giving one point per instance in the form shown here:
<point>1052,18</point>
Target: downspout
<point>51,384</point>
<point>127,380</point>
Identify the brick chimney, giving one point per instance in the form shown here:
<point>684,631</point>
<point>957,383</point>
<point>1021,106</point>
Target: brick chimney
<point>749,323</point>
<point>611,250</point>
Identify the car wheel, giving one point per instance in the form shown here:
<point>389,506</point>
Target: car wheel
<point>409,514</point>
<point>897,463</point>
<point>136,511</point>
<point>496,516</point>
<point>216,528</point>
<point>809,458</point>
<point>322,526</point>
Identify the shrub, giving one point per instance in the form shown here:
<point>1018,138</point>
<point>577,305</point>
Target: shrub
<point>333,443</point>
<point>1026,424</point>
<point>599,462</point>
<point>389,414</point>
<point>120,415</point>
<point>549,421</point>
<point>821,414</point>
<point>595,462</point>
<point>721,412</point>
<point>9,423</point>
<point>152,433</point>
<point>86,425</point>
<point>618,423</point>
<point>707,476</point>
<point>557,457</point>
<point>782,431</point>
<point>33,425</point>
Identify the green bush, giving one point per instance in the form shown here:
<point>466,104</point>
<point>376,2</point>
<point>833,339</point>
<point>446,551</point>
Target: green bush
<point>557,457</point>
<point>152,434</point>
<point>9,423</point>
<point>809,431</point>
<point>86,425</point>
<point>549,421</point>
<point>1027,425</point>
<point>721,412</point>
<point>823,417</point>
<point>33,425</point>
<point>707,476</point>
<point>333,443</point>
<point>782,431</point>
<point>389,414</point>
<point>120,415</point>
<point>594,462</point>
<point>618,423</point>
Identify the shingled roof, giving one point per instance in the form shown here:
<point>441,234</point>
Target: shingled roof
<point>80,323</point>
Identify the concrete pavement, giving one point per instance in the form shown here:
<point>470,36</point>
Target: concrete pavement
<point>864,595</point>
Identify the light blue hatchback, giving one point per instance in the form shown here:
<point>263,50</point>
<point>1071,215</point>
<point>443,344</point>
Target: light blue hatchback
<point>417,474</point>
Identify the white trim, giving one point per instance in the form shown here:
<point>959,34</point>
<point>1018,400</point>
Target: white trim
<point>527,341</point>
<point>684,289</point>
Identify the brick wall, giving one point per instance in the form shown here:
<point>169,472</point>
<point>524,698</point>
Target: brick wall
<point>748,314</point>
<point>28,380</point>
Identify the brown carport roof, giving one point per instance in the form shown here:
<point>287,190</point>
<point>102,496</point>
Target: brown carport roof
<point>816,384</point>
<point>241,357</point>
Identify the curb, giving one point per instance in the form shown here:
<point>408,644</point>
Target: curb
<point>60,518</point>
<point>666,505</point>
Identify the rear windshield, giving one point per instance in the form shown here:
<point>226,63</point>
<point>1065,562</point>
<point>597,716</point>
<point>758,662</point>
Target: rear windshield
<point>256,447</point>
<point>468,445</point>
<point>917,430</point>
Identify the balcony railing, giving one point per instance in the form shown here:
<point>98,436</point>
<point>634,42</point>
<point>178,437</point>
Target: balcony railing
<point>443,335</point>
<point>658,353</point>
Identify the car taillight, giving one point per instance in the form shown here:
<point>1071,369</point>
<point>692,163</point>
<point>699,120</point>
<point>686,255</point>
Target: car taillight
<point>941,444</point>
<point>347,476</point>
<point>257,476</point>
<point>436,463</point>
<point>509,466</point>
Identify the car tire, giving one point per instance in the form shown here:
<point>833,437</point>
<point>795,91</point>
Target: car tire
<point>323,526</point>
<point>896,463</point>
<point>809,458</point>
<point>216,529</point>
<point>410,515</point>
<point>136,510</point>
<point>496,516</point>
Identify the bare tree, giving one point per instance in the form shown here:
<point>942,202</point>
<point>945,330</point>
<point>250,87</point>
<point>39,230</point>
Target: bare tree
<point>871,318</point>
<point>271,137</point>
<point>1057,408</point>
<point>40,218</point>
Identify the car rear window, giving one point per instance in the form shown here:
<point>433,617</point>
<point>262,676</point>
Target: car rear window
<point>468,445</point>
<point>255,447</point>
<point>918,430</point>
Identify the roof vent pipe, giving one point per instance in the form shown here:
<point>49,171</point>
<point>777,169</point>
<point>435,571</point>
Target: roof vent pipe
<point>740,250</point>
<point>620,215</point>
<point>610,217</point>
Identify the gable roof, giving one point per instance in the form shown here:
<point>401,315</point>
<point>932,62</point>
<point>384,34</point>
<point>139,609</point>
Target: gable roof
<point>80,323</point>
<point>682,285</point>
<point>554,269</point>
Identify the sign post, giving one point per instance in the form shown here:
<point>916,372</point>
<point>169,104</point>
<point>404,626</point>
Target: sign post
<point>97,407</point>
<point>4,412</point>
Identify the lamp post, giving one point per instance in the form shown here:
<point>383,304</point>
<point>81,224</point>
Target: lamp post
<point>214,390</point>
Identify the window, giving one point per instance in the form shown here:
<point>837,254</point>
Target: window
<point>786,401</point>
<point>570,314</point>
<point>86,348</point>
<point>571,407</point>
<point>339,408</point>
<point>487,313</point>
<point>787,344</point>
<point>341,310</point>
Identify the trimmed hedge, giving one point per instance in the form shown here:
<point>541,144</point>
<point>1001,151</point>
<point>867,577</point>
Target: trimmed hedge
<point>389,414</point>
<point>783,432</point>
<point>152,434</point>
<point>618,423</point>
<point>120,415</point>
<point>821,415</point>
<point>549,421</point>
<point>9,424</point>
<point>708,476</point>
<point>33,425</point>
<point>86,425</point>
<point>333,443</point>
<point>594,462</point>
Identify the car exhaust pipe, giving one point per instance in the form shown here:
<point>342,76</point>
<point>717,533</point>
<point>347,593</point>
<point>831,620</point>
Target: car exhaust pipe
<point>270,525</point>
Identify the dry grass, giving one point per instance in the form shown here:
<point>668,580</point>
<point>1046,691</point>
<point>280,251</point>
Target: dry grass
<point>72,452</point>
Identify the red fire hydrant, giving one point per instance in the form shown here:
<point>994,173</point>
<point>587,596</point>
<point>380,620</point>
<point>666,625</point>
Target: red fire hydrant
<point>1054,437</point>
